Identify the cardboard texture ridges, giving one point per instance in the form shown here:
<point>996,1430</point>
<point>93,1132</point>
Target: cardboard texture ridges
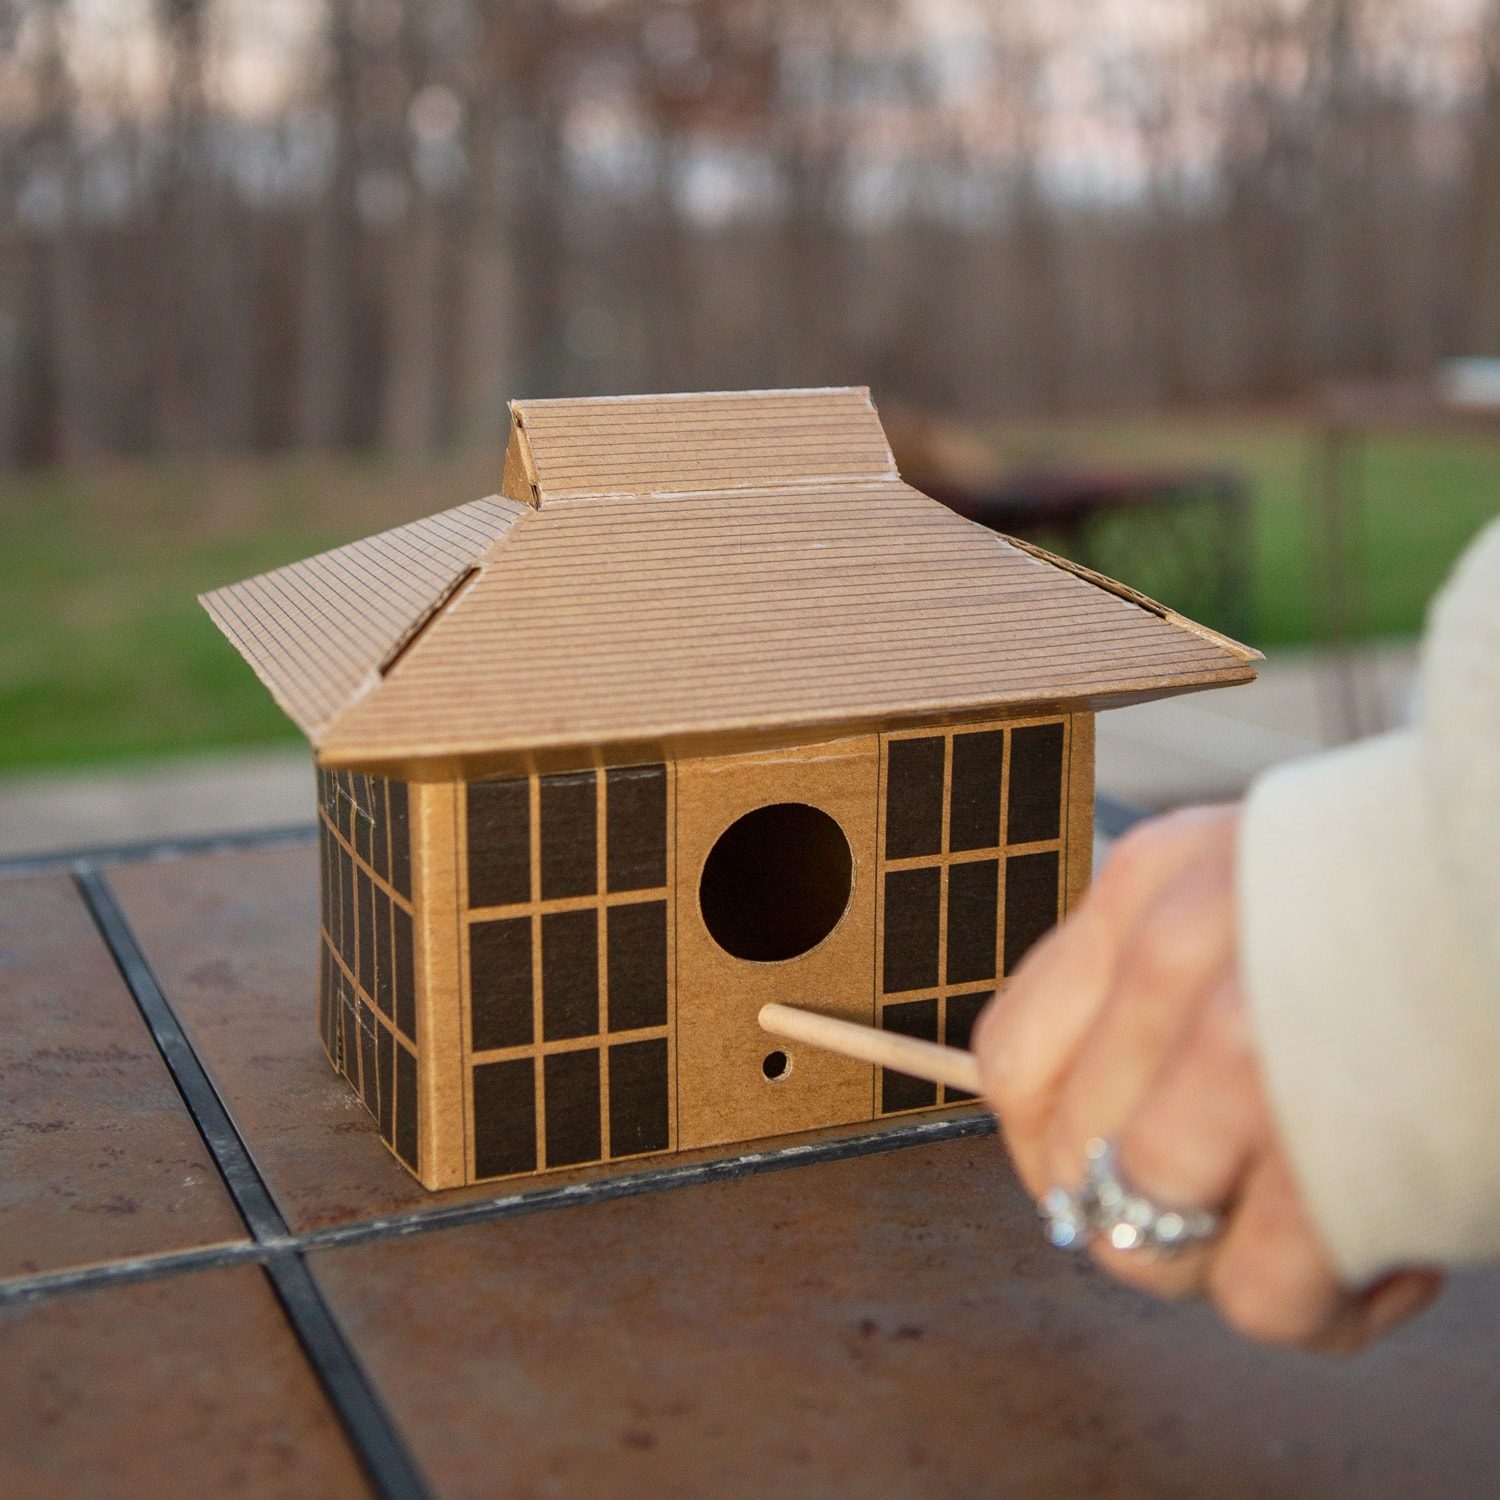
<point>708,709</point>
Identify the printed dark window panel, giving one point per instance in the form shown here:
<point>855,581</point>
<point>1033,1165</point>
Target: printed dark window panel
<point>368,1090</point>
<point>638,1118</point>
<point>913,798</point>
<point>570,834</point>
<point>396,799</point>
<point>365,973</point>
<point>636,946</point>
<point>1030,902</point>
<point>963,1012</point>
<point>384,969</point>
<point>386,1064</point>
<point>323,912</point>
<point>342,802</point>
<point>570,974</point>
<point>499,831</point>
<point>348,1032</point>
<point>974,805</point>
<point>325,990</point>
<point>1036,771</point>
<point>406,976</point>
<point>899,1090</point>
<point>500,983</point>
<point>408,1107</point>
<point>346,900</point>
<point>504,1118</point>
<point>362,822</point>
<point>911,930</point>
<point>973,912</point>
<point>635,816</point>
<point>570,1100</point>
<point>380,849</point>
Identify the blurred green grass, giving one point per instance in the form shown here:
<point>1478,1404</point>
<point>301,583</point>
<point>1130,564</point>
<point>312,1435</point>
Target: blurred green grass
<point>106,655</point>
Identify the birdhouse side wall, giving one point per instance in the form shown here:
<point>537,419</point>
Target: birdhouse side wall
<point>368,1006</point>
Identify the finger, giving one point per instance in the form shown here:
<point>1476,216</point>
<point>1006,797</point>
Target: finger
<point>1027,1036</point>
<point>1176,956</point>
<point>1191,1141</point>
<point>1380,1310</point>
<point>1272,1279</point>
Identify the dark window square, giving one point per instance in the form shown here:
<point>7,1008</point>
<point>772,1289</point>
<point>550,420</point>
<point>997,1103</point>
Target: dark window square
<point>570,1100</point>
<point>570,852</point>
<point>899,1090</point>
<point>913,798</point>
<point>637,964</point>
<point>974,810</point>
<point>963,1012</point>
<point>387,1066</point>
<point>347,898</point>
<point>366,970</point>
<point>911,930</point>
<point>500,983</point>
<point>1036,770</point>
<point>396,800</point>
<point>408,1108</point>
<point>638,1118</point>
<point>499,832</point>
<point>362,823</point>
<point>369,1090</point>
<point>348,1033</point>
<point>1030,903</point>
<point>380,847</point>
<point>635,803</point>
<point>570,974</point>
<point>406,977</point>
<point>504,1118</point>
<point>384,967</point>
<point>343,804</point>
<point>973,916</point>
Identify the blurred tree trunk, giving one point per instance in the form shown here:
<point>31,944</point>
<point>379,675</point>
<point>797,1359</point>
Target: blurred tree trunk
<point>68,318</point>
<point>323,418</point>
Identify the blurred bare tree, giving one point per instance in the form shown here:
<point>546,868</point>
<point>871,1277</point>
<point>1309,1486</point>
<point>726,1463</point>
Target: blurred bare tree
<point>252,224</point>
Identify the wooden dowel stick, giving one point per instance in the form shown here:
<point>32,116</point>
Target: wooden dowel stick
<point>886,1049</point>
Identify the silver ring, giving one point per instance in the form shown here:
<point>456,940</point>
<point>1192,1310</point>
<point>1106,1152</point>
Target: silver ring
<point>1107,1205</point>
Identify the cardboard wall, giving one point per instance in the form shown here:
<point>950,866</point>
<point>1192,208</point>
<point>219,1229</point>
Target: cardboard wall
<point>986,836</point>
<point>368,1003</point>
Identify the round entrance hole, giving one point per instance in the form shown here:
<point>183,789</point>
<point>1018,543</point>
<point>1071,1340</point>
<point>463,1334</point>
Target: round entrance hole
<point>776,883</point>
<point>776,1065</point>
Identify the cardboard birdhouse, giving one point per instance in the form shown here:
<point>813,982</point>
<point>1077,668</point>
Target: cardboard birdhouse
<point>705,709</point>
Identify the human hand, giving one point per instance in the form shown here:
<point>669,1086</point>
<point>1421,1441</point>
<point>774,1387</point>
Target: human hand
<point>1128,1021</point>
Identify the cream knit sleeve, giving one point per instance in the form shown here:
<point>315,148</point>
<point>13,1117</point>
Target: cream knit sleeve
<point>1369,894</point>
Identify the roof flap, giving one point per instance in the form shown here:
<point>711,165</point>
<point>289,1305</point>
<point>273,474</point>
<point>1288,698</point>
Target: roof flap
<point>319,632</point>
<point>651,445</point>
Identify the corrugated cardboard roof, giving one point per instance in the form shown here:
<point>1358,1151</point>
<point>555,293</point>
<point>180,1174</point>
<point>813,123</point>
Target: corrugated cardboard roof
<point>726,440</point>
<point>620,615</point>
<point>318,631</point>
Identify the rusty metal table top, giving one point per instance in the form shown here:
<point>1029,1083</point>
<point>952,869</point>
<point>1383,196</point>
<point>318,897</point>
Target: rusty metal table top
<point>215,1280</point>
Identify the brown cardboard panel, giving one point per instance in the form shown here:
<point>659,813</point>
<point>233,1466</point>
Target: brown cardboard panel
<point>711,613</point>
<point>99,1160</point>
<point>893,1326</point>
<point>188,1386</point>
<point>639,445</point>
<point>1080,808</point>
<point>724,1093</point>
<point>317,631</point>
